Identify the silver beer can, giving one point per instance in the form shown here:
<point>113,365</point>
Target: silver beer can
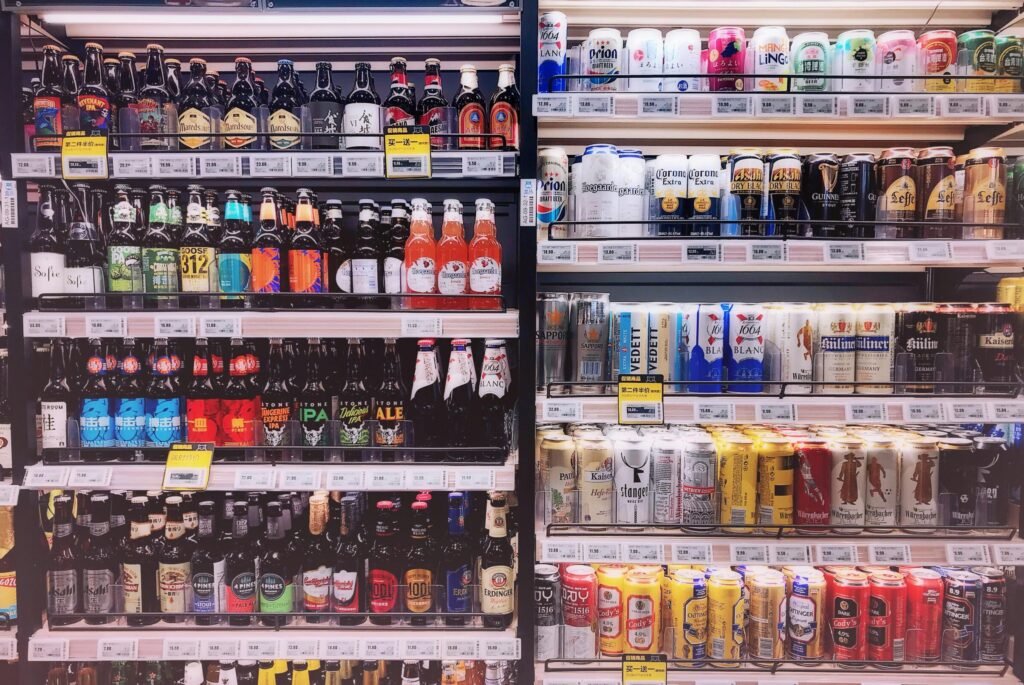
<point>589,335</point>
<point>666,457</point>
<point>552,339</point>
<point>698,479</point>
<point>632,473</point>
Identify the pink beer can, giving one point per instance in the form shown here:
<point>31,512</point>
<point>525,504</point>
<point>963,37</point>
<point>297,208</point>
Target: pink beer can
<point>897,55</point>
<point>727,54</point>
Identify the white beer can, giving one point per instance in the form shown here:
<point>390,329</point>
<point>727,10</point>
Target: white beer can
<point>919,483</point>
<point>682,56</point>
<point>670,182</point>
<point>575,191</point>
<point>770,48</point>
<point>789,349</point>
<point>883,485</point>
<point>631,182</point>
<point>849,476</point>
<point>552,191</point>
<point>876,328</point>
<point>599,194</point>
<point>645,55</point>
<point>666,457</point>
<point>835,348</point>
<point>632,481</point>
<point>602,59</point>
<point>627,338</point>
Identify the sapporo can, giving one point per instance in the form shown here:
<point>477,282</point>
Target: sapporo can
<point>976,50</point>
<point>737,483</point>
<point>849,599</point>
<point>725,618</point>
<point>993,614</point>
<point>766,629</point>
<point>924,614</point>
<point>961,618</point>
<point>559,453</point>
<point>849,477</point>
<point>876,328</point>
<point>610,593</point>
<point>1009,64</point>
<point>579,612</point>
<point>595,458</point>
<point>887,625</point>
<point>883,484</point>
<point>666,465</point>
<point>985,193</point>
<point>836,348</point>
<point>919,484</point>
<point>812,494</point>
<point>588,332</point>
<point>806,609</point>
<point>642,611</point>
<point>547,597</point>
<point>698,480</point>
<point>936,53</point>
<point>775,465</point>
<point>552,338</point>
<point>689,615</point>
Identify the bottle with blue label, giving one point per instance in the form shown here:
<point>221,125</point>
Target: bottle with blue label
<point>96,425</point>
<point>457,564</point>
<point>234,252</point>
<point>129,404</point>
<point>163,397</point>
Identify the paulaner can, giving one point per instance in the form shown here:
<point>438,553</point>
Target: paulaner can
<point>547,597</point>
<point>810,58</point>
<point>559,453</point>
<point>689,615</point>
<point>775,466</point>
<point>552,191</point>
<point>642,611</point>
<point>961,617</point>
<point>806,608</point>
<point>924,614</point>
<point>836,346</point>
<point>552,41</point>
<point>705,347</point>
<point>552,338</point>
<point>883,480</point>
<point>737,483</point>
<point>848,481</point>
<point>919,484</point>
<point>610,598</point>
<point>993,614</point>
<point>595,457</point>
<point>579,612</point>
<point>589,314</point>
<point>812,495</point>
<point>632,481</point>
<point>725,618</point>
<point>666,462</point>
<point>744,355</point>
<point>849,599</point>
<point>698,479</point>
<point>766,630</point>
<point>876,324</point>
<point>887,627</point>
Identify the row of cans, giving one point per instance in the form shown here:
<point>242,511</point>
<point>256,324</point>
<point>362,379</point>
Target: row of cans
<point>718,616</point>
<point>793,348</point>
<point>858,61</point>
<point>779,192</point>
<point>746,479</point>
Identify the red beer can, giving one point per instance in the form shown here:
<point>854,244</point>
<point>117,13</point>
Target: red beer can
<point>924,614</point>
<point>887,626</point>
<point>811,490</point>
<point>579,612</point>
<point>848,617</point>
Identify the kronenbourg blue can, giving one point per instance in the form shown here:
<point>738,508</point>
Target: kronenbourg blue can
<point>706,348</point>
<point>552,41</point>
<point>744,353</point>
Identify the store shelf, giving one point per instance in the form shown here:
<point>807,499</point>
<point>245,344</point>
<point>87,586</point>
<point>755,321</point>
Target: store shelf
<point>106,643</point>
<point>698,254</point>
<point>328,323</point>
<point>825,673</point>
<point>731,408</point>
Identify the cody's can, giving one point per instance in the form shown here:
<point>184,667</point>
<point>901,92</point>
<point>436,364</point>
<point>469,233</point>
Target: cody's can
<point>897,56</point>
<point>682,56</point>
<point>857,194</point>
<point>820,192</point>
<point>876,324</point>
<point>588,332</point>
<point>744,355</point>
<point>689,614</point>
<point>705,347</point>
<point>848,481</point>
<point>810,58</point>
<point>924,614</point>
<point>770,48</point>
<point>887,627</point>
<point>727,54</point>
<point>645,57</point>
<point>897,192</point>
<point>703,193</point>
<point>806,609</point>
<point>977,58</point>
<point>552,191</point>
<point>984,193</point>
<point>610,599</point>
<point>698,480</point>
<point>775,466</point>
<point>811,497</point>
<point>552,41</point>
<point>552,338</point>
<point>595,457</point>
<point>766,630</point>
<point>666,465</point>
<point>881,503</point>
<point>992,647</point>
<point>559,453</point>
<point>1009,64</point>
<point>725,618</point>
<point>919,484</point>
<point>936,190</point>
<point>937,56</point>
<point>642,611</point>
<point>836,346</point>
<point>961,617</point>
<point>856,55</point>
<point>737,483</point>
<point>547,597</point>
<point>579,612</point>
<point>632,481</point>
<point>602,59</point>
<point>849,598</point>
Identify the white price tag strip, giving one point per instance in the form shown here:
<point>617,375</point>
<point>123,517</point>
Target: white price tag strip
<point>692,553</point>
<point>297,648</point>
<point>362,165</point>
<point>929,251</point>
<point>766,253</point>
<point>300,479</point>
<point>844,252</point>
<point>313,165</point>
<point>277,166</point>
<point>45,326</point>
<point>968,412</point>
<point>658,106</point>
<point>776,105</point>
<point>48,649</point>
<point>922,412</point>
<point>117,649</point>
<point>255,478</point>
<point>416,648</point>
<point>460,648</point>
<point>556,550</point>
<point>379,649</point>
<point>741,553</point>
<point>1009,555</point>
<point>259,648</point>
<point>889,554</point>
<point>333,648</point>
<point>180,649</point>
<point>130,166</point>
<point>427,478</point>
<point>960,105</point>
<point>220,166</point>
<point>817,105</point>
<point>618,253</point>
<point>8,649</point>
<point>780,553</point>
<point>644,552</point>
<point>220,326</point>
<point>714,412</point>
<point>33,165</point>
<point>836,554</point>
<point>973,554</point>
<point>179,166</point>
<point>597,104</point>
<point>731,105</point>
<point>702,252</point>
<point>480,165</point>
<point>345,480</point>
<point>913,106</point>
<point>1007,411</point>
<point>866,412</point>
<point>106,326</point>
<point>528,202</point>
<point>556,253</point>
<point>46,477</point>
<point>90,477</point>
<point>165,326</point>
<point>1005,105</point>
<point>500,648</point>
<point>867,106</point>
<point>422,326</point>
<point>386,479</point>
<point>474,479</point>
<point>218,650</point>
<point>562,411</point>
<point>1004,250</point>
<point>602,552</point>
<point>785,411</point>
<point>552,105</point>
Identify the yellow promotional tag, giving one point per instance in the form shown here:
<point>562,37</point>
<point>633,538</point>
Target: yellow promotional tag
<point>83,156</point>
<point>644,668</point>
<point>407,152</point>
<point>188,466</point>
<point>641,399</point>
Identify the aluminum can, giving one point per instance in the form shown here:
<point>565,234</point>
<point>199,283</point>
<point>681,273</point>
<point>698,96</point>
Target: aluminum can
<point>917,336</point>
<point>961,617</point>
<point>836,346</point>
<point>897,56</point>
<point>579,612</point>
<point>602,59</point>
<point>552,338</point>
<point>937,56</point>
<point>1009,64</point>
<point>705,348</point>
<point>559,453</point>
<point>737,483</point>
<point>744,355</point>
<point>746,184</point>
<point>897,192</point>
<point>856,55</point>
<point>994,608</point>
<point>881,503</point>
<point>703,193</point>
<point>977,57</point>
<point>642,611</point>
<point>958,340</point>
<point>646,55</point>
<point>698,481</point>
<point>611,579</point>
<point>632,473</point>
<point>552,40</point>
<point>633,201</point>
<point>775,471</point>
<point>806,608</point>
<point>689,614</point>
<point>789,346</point>
<point>682,56</point>
<point>958,476</point>
<point>725,618</point>
<point>820,192</point>
<point>727,54</point>
<point>599,192</point>
<point>857,194</point>
<point>995,469</point>
<point>552,191</point>
<point>812,494</point>
<point>666,463</point>
<point>849,478</point>
<point>766,628</point>
<point>924,614</point>
<point>595,457</point>
<point>627,338</point>
<point>887,626</point>
<point>589,314</point>
<point>876,327</point>
<point>547,598</point>
<point>810,55</point>
<point>985,193</point>
<point>936,191</point>
<point>919,484</point>
<point>961,176</point>
<point>996,325</point>
<point>784,180</point>
<point>849,599</point>
<point>661,323</point>
<point>770,48</point>
<point>669,199</point>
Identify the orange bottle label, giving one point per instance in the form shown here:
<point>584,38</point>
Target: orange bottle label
<point>266,270</point>
<point>305,271</point>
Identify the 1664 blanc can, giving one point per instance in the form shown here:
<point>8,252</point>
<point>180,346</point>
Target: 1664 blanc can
<point>547,597</point>
<point>706,346</point>
<point>642,611</point>
<point>737,482</point>
<point>883,483</point>
<point>766,630</point>
<point>579,612</point>
<point>806,609</point>
<point>666,465</point>
<point>887,626</point>
<point>775,467</point>
<point>552,41</point>
<point>924,614</point>
<point>698,480</point>
<point>812,494</point>
<point>849,599</point>
<point>919,484</point>
<point>595,457</point>
<point>611,580</point>
<point>961,618</point>
<point>744,355</point>
<point>849,477</point>
<point>725,618</point>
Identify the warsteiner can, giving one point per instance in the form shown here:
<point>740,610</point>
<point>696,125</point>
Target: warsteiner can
<point>689,617</point>
<point>961,617</point>
<point>610,593</point>
<point>642,611</point>
<point>766,629</point>
<point>993,614</point>
<point>848,616</point>
<point>887,626</point>
<point>807,616</point>
<point>725,618</point>
<point>924,614</point>
<point>737,483</point>
<point>775,466</point>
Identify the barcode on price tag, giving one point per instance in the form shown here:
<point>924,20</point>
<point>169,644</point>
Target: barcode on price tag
<point>1009,555</point>
<point>969,554</point>
<point>562,411</point>
<point>220,166</point>
<point>789,554</point>
<point>598,552</point>
<point>295,648</point>
<point>918,412</point>
<point>422,649</point>
<point>929,251</point>
<point>594,104</point>
<point>174,327</point>
<point>866,412</point>
<point>557,550</point>
<point>8,648</point>
<point>477,164</point>
<point>460,648</point>
<point>48,650</point>
<point>527,202</point>
<point>420,326</point>
<point>968,411</point>
<point>844,252</point>
<point>270,165</point>
<point>618,253</point>
<point>836,554</point>
<point>740,553</point>
<point>255,478</point>
<point>106,326</point>
<point>345,480</point>
<point>427,478</point>
<point>645,552</point>
<point>386,479</point>
<point>180,650</point>
<point>691,553</point>
<point>555,253</point>
<point>731,105</point>
<point>785,411</point>
<point>44,326</point>
<point>218,650</point>
<point>760,253</point>
<point>889,554</point>
<point>300,479</point>
<point>313,165</point>
<point>90,477</point>
<point>117,649</point>
<point>714,412</point>
<point>260,649</point>
<point>379,649</point>
<point>339,649</point>
<point>220,326</point>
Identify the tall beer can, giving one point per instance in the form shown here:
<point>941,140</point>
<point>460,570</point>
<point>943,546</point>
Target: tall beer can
<point>552,40</point>
<point>559,453</point>
<point>919,484</point>
<point>725,618</point>
<point>602,59</point>
<point>595,457</point>
<point>897,192</point>
<point>737,483</point>
<point>985,193</point>
<point>744,355</point>
<point>579,612</point>
<point>631,184</point>
<point>698,480</point>
<point>1009,64</point>
<point>666,461</point>
<point>769,47</point>
<point>996,342</point>
<point>812,493</point>
<point>994,609</point>
<point>703,194</point>
<point>887,630</point>
<point>847,614</point>
<point>924,615</point>
<point>977,57</point>
<point>958,476</point>
<point>857,194</point>
<point>706,349</point>
<point>610,600</point>
<point>552,191</point>
<point>937,56</point>
<point>632,472</point>
<point>642,610</point>
<point>660,320</point>
<point>766,629</point>
<point>994,480</point>
<point>856,55</point>
<point>589,314</point>
<point>836,345</point>
<point>897,56</point>
<point>727,55</point>
<point>775,466</point>
<point>881,504</point>
<point>848,480</point>
<point>689,614</point>
<point>552,338</point>
<point>961,617</point>
<point>820,192</point>
<point>785,172</point>
<point>547,598</point>
<point>669,201</point>
<point>599,192</point>
<point>645,55</point>
<point>806,609</point>
<point>936,191</point>
<point>746,183</point>
<point>789,345</point>
<point>682,56</point>
<point>810,58</point>
<point>628,333</point>
<point>876,325</point>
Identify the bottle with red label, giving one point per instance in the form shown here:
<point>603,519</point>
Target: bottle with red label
<point>202,406</point>
<point>93,98</point>
<point>433,103</point>
<point>420,264</point>
<point>347,596</point>
<point>452,257</point>
<point>471,107</point>
<point>46,103</point>
<point>400,105</point>
<point>384,565</point>
<point>305,251</point>
<point>238,400</point>
<point>240,570</point>
<point>485,258</point>
<point>504,116</point>
<point>277,406</point>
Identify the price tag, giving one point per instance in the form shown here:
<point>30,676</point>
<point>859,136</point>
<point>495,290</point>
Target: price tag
<point>362,165</point>
<point>618,253</point>
<point>556,253</point>
<point>602,552</point>
<point>165,326</point>
<point>474,479</point>
<point>836,554</point>
<point>421,326</point>
<point>844,252</point>
<point>131,166</point>
<point>220,326</point>
<point>714,412</point>
<point>742,553</point>
<point>785,411</point>
<point>562,411</point>
<point>386,479</point>
<point>180,650</point>
<point>117,649</point>
<point>913,106</point>
<point>8,649</point>
<point>968,412</point>
<point>83,156</point>
<point>556,551</point>
<point>1004,250</point>
<point>317,166</point>
<point>817,105</point>
<point>378,648</point>
<point>600,105</point>
<point>731,105</point>
<point>218,650</point>
<point>426,478</point>
<point>296,648</point>
<point>552,105</point>
<point>1009,555</point>
<point>416,648</point>
<point>641,399</point>
<point>477,164</point>
<point>259,648</point>
<point>692,553</point>
<point>867,106</point>
<point>90,477</point>
<point>188,467</point>
<point>702,252</point>
<point>643,669</point>
<point>48,649</point>
<point>45,326</point>
<point>644,552</point>
<point>33,165</point>
<point>1005,106</point>
<point>264,165</point>
<point>9,495</point>
<point>658,106</point>
<point>253,478</point>
<point>178,166</point>
<point>968,555</point>
<point>345,480</point>
<point>923,412</point>
<point>106,326</point>
<point>889,554</point>
<point>1008,411</point>
<point>776,105</point>
<point>528,202</point>
<point>760,253</point>
<point>501,648</point>
<point>334,649</point>
<point>300,479</point>
<point>960,105</point>
<point>407,152</point>
<point>930,251</point>
<point>861,412</point>
<point>789,554</point>
<point>220,166</point>
<point>460,648</point>
<point>46,477</point>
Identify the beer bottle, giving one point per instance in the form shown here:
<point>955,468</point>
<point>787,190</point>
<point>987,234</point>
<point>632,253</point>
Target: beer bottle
<point>305,253</point>
<point>99,564</point>
<point>325,109</point>
<point>240,570</point>
<point>160,256</point>
<point>318,557</point>
<point>211,79</point>
<point>504,116</point>
<point>277,572</point>
<point>155,102</point>
<point>125,115</point>
<point>393,248</point>
<point>266,247</point>
<point>452,257</point>
<point>197,254</point>
<point>421,567</point>
<point>46,103</point>
<point>338,251</point>
<point>139,568</point>
<point>128,404</point>
<point>494,399</point>
<point>239,123</point>
<point>426,404</point>
<point>484,258</point>
<point>213,218</point>
<point>84,271</point>
<point>234,256</point>
<point>175,565</point>
<point>223,93</point>
<point>55,406</point>
<point>124,249</point>
<point>277,408</point>
<point>262,94</point>
<point>202,403</point>
<point>389,402</point>
<point>411,673</point>
<point>70,83</point>
<point>362,113</point>
<point>459,400</point>
<point>433,103</point>
<point>172,77</point>
<point>163,398</point>
<point>457,563</point>
<point>238,406</point>
<point>384,563</point>
<point>471,109</point>
<point>314,402</point>
<point>6,451</point>
<point>194,109</point>
<point>157,516</point>
<point>284,109</point>
<point>62,588</point>
<point>347,580</point>
<point>93,97</point>
<point>48,259</point>
<point>497,584</point>
<point>112,79</point>
<point>354,400</point>
<point>207,567</point>
<point>95,424</point>
<point>399,107</point>
<point>365,270</point>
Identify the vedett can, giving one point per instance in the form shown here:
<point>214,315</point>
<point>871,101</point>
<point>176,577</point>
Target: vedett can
<point>552,191</point>
<point>610,599</point>
<point>812,495</point>
<point>924,614</point>
<point>876,324</point>
<point>589,313</point>
<point>744,354</point>
<point>848,617</point>
<point>547,598</point>
<point>627,338</point>
<point>994,608</point>
<point>919,484</point>
<point>836,346</point>
<point>698,481</point>
<point>961,617</point>
<point>552,41</point>
<point>579,612</point>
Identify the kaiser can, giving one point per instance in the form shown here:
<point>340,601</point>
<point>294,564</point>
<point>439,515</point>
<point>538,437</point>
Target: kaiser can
<point>703,194</point>
<point>631,184</point>
<point>770,47</point>
<point>958,324</point>
<point>646,57</point>
<point>642,611</point>
<point>924,614</point>
<point>559,453</point>
<point>632,472</point>
<point>547,597</point>
<point>994,608</point>
<point>727,55</point>
<point>746,184</point>
<point>737,483</point>
<point>682,56</point>
<point>996,326</point>
<point>552,191</point>
<point>1009,64</point>
<point>937,56</point>
<point>611,580</point>
<point>810,58</point>
<point>881,504</point>
<point>595,457</point>
<point>579,612</point>
<point>919,484</point>
<point>602,59</point>
<point>705,349</point>
<point>812,494</point>
<point>836,346</point>
<point>666,460</point>
<point>725,618</point>
<point>961,617</point>
<point>766,630</point>
<point>849,477</point>
<point>599,191</point>
<point>897,192</point>
<point>744,355</point>
<point>775,468</point>
<point>856,56</point>
<point>806,608</point>
<point>689,615</point>
<point>977,58</point>
<point>985,193</point>
<point>849,599</point>
<point>668,202</point>
<point>698,480</point>
<point>936,191</point>
<point>820,192</point>
<point>887,626</point>
<point>876,325</point>
<point>857,194</point>
<point>589,314</point>
<point>897,56</point>
<point>784,181</point>
<point>552,41</point>
<point>552,338</point>
<point>627,342</point>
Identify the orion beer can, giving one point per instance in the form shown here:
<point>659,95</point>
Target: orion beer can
<point>602,59</point>
<point>552,191</point>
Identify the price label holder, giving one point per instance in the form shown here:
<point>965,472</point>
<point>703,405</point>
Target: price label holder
<point>1004,250</point>
<point>968,554</point>
<point>362,165</point>
<point>780,411</point>
<point>378,648</point>
<point>131,166</point>
<point>298,648</point>
<point>259,648</point>
<point>8,204</point>
<point>501,648</point>
<point>644,552</point>
<point>559,550</point>
<point>618,253</point>
<point>300,479</point>
<point>817,106</point>
<point>106,326</point>
<point>422,648</point>
<point>776,105</point>
<point>481,165</point>
<point>83,156</point>
<point>731,105</point>
<point>968,412</point>
<point>550,105</point>
<point>1005,106</point>
<point>913,106</point>
<point>889,554</point>
<point>782,554</point>
<point>8,648</point>
<point>692,553</point>
<point>181,166</point>
<point>315,166</point>
<point>117,649</point>
<point>421,326</point>
<point>867,105</point>
<point>836,554</point>
<point>923,412</point>
<point>170,326</point>
<point>427,478</point>
<point>562,411</point>
<point>1007,411</point>
<point>960,106</point>
<point>218,650</point>
<point>32,165</point>
<point>594,105</point>
<point>641,399</point>
<point>528,203</point>
<point>255,478</point>
<point>866,412</point>
<point>474,479</point>
<point>346,479</point>
<point>460,648</point>
<point>90,477</point>
<point>1009,555</point>
<point>745,553</point>
<point>602,552</point>
<point>774,252</point>
<point>48,649</point>
<point>701,252</point>
<point>45,326</point>
<point>386,479</point>
<point>407,152</point>
<point>220,326</point>
<point>46,477</point>
<point>714,412</point>
<point>220,166</point>
<point>9,495</point>
<point>644,669</point>
<point>270,166</point>
<point>180,649</point>
<point>557,253</point>
<point>928,251</point>
<point>658,106</point>
<point>333,648</point>
<point>852,252</point>
<point>188,467</point>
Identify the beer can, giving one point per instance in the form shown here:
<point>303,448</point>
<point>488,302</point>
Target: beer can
<point>917,337</point>
<point>599,192</point>
<point>887,628</point>
<point>682,56</point>
<point>810,58</point>
<point>994,607</point>
<point>857,194</point>
<point>897,56</point>
<point>770,48</point>
<point>924,614</point>
<point>746,184</point>
<point>610,599</point>
<point>660,328</point>
<point>766,630</point>
<point>876,326</point>
<point>806,608</point>
<point>849,478</point>
<point>1015,196</point>
<point>996,324</point>
<point>645,57</point>
<point>727,55</point>
<point>744,355</point>
<point>552,338</point>
<point>995,469</point>
<point>958,342</point>
<point>633,200</point>
<point>602,59</point>
<point>668,202</point>
<point>589,314</point>
<point>705,349</point>
<point>919,484</point>
<point>698,481</point>
<point>789,346</point>
<point>775,466</point>
<point>977,57</point>
<point>883,480</point>
<point>703,194</point>
<point>820,191</point>
<point>632,472</point>
<point>897,192</point>
<point>579,612</point>
<point>559,453</point>
<point>937,56</point>
<point>642,611</point>
<point>737,483</point>
<point>785,173</point>
<point>552,191</point>
<point>725,618</point>
<point>836,346</point>
<point>812,494</point>
<point>856,55</point>
<point>666,463</point>
<point>984,193</point>
<point>936,191</point>
<point>689,615</point>
<point>547,597</point>
<point>959,175</point>
<point>1007,290</point>
<point>595,457</point>
<point>1009,64</point>
<point>552,41</point>
<point>961,617</point>
<point>627,335</point>
<point>849,599</point>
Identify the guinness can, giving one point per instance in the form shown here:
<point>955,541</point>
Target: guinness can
<point>784,177</point>
<point>936,191</point>
<point>821,192</point>
<point>857,194</point>
<point>897,193</point>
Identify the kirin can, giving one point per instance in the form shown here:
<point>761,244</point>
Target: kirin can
<point>552,191</point>
<point>770,48</point>
<point>806,609</point>
<point>881,503</point>
<point>789,345</point>
<point>887,625</point>
<point>547,597</point>
<point>595,481</point>
<point>836,346</point>
<point>848,480</point>
<point>698,480</point>
<point>924,614</point>
<point>552,41</point>
<point>737,483</point>
<point>706,347</point>
<point>858,194</point>
<point>810,57</point>
<point>994,609</point>
<point>632,481</point>
<point>876,327</point>
<point>725,618</point>
<point>766,629</point>
<point>820,192</point>
<point>602,59</point>
<point>1009,64</point>
<point>937,56</point>
<point>775,467</point>
<point>727,54</point>
<point>917,334</point>
<point>682,56</point>
<point>897,192</point>
<point>642,611</point>
<point>588,332</point>
<point>897,56</point>
<point>744,354</point>
<point>558,452</point>
<point>977,57</point>
<point>919,484</point>
<point>936,191</point>
<point>666,465</point>
<point>984,193</point>
<point>996,341</point>
<point>856,56</point>
<point>961,617</point>
<point>610,597</point>
<point>644,57</point>
<point>812,494</point>
<point>579,612</point>
<point>849,598</point>
<point>689,615</point>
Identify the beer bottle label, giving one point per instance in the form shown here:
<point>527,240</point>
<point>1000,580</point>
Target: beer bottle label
<point>497,594</point>
<point>266,270</point>
<point>238,422</point>
<point>421,276</point>
<point>276,594</point>
<point>233,272</point>
<point>93,112</point>
<point>392,275</point>
<point>196,266</point>
<point>396,116</point>
<point>305,271</point>
<point>46,109</point>
<point>54,418</point>
<point>434,119</point>
<point>239,127</point>
<point>352,417</point>
<point>202,416</point>
<point>383,590</point>
<point>206,589</point>
<point>284,129</point>
<point>131,584</point>
<point>62,590</point>
<point>362,118</point>
<point>343,277</point>
<point>6,455</point>
<point>83,280</point>
<point>942,199</point>
<point>151,122</point>
<point>98,591</point>
<point>364,277</point>
<point>316,589</point>
<point>485,275</point>
<point>418,590</point>
<point>326,118</point>
<point>505,122</point>
<point>389,431</point>
<point>457,582</point>
<point>198,127</point>
<point>160,269</point>
<point>313,417</point>
<point>240,594</point>
<point>124,269</point>
<point>47,273</point>
<point>95,426</point>
<point>275,417</point>
<point>163,421</point>
<point>171,582</point>
<point>472,121</point>
<point>451,279</point>
<point>129,422</point>
<point>345,589</point>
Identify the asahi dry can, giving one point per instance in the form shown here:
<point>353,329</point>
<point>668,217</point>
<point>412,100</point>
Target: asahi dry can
<point>589,313</point>
<point>737,483</point>
<point>984,193</point>
<point>747,185</point>
<point>627,338</point>
<point>785,173</point>
<point>876,325</point>
<point>559,453</point>
<point>897,193</point>
<point>836,346</point>
<point>919,484</point>
<point>936,191</point>
<point>698,480</point>
<point>883,482</point>
<point>632,472</point>
<point>595,458</point>
<point>848,481</point>
<point>666,460</point>
<point>552,338</point>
